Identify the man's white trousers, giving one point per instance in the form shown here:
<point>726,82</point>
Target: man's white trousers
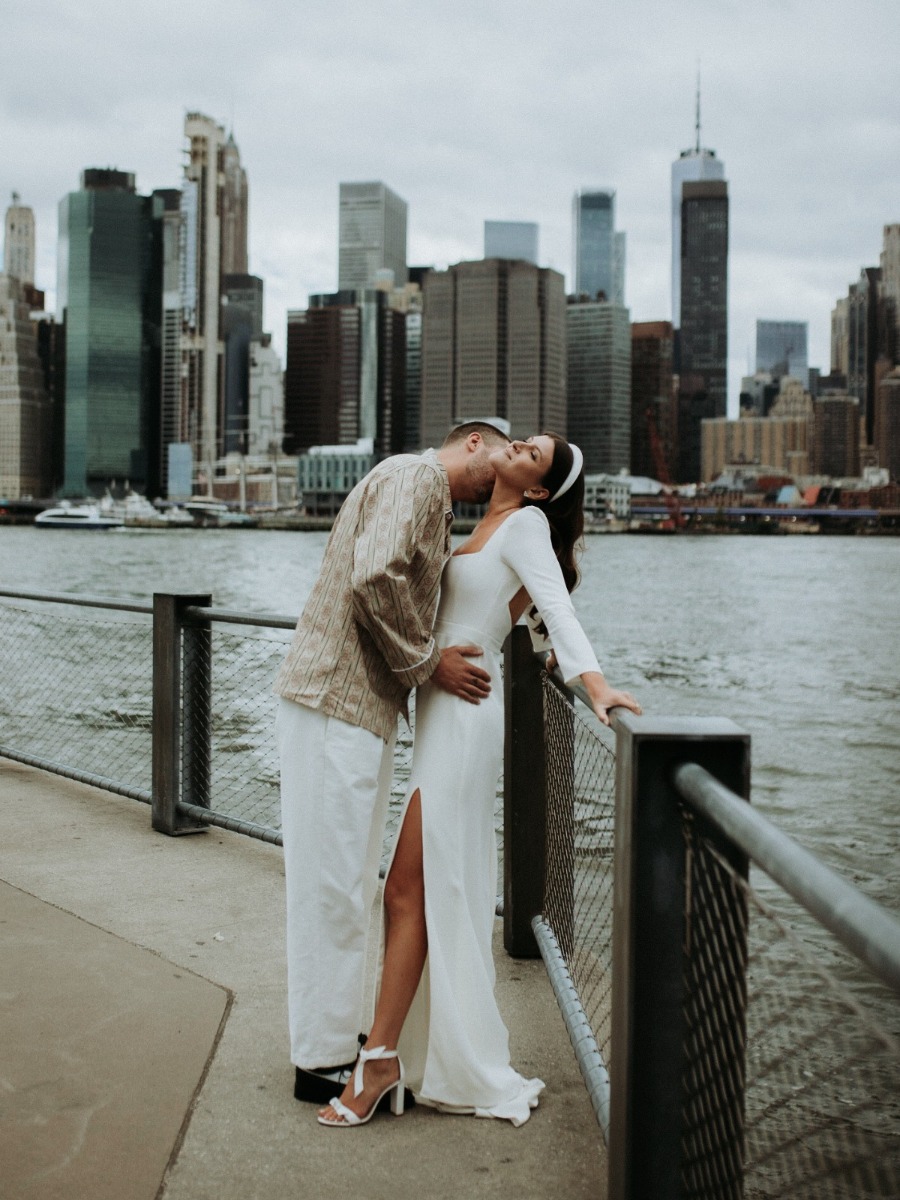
<point>335,786</point>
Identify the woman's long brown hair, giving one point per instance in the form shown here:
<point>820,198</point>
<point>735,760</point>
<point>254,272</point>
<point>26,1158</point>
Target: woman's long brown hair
<point>565,515</point>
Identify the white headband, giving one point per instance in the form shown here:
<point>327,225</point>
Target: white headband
<point>574,472</point>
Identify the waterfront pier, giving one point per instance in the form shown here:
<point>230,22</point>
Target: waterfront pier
<point>145,995</point>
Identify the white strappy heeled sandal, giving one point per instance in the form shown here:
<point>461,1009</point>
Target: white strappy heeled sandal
<point>348,1117</point>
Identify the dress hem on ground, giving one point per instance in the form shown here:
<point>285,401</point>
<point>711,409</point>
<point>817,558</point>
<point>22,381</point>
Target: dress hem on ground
<point>516,1110</point>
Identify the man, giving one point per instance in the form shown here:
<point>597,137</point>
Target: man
<point>363,642</point>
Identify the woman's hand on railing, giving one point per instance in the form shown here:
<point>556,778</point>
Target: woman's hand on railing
<point>604,697</point>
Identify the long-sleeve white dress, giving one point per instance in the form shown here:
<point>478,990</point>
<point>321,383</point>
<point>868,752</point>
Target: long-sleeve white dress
<point>454,1045</point>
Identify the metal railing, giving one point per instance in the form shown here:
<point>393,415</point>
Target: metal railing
<point>727,1049</point>
<point>168,703</point>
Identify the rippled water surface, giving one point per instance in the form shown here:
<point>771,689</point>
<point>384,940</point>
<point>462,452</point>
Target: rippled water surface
<point>795,639</point>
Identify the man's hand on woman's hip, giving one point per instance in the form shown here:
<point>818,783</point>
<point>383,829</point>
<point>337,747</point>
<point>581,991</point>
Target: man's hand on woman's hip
<point>460,677</point>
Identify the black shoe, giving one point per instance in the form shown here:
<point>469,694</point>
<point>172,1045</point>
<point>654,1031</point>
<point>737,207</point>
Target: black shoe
<point>319,1086</point>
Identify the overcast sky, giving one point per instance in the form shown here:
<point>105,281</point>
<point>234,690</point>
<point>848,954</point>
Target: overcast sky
<point>496,109</point>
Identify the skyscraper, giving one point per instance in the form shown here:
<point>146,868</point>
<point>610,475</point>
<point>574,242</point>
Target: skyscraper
<point>695,165</point>
<point>24,402</point>
<point>836,435</point>
<point>265,424</point>
<point>346,372</point>
<point>234,211</point>
<point>372,235</point>
<point>598,383</point>
<point>599,250</point>
<point>702,342</point>
<point>887,424</point>
<point>18,245</point>
<point>413,408</point>
<point>242,319</point>
<point>511,239</point>
<point>652,398</point>
<point>856,327</point>
<point>781,349</point>
<point>620,245</point>
<point>890,292</point>
<point>109,294</point>
<point>493,345</point>
<point>202,205</point>
<point>168,202</point>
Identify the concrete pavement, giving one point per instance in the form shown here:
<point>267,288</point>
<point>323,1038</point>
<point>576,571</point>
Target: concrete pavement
<point>143,1046</point>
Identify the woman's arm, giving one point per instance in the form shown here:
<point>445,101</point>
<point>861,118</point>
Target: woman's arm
<point>527,549</point>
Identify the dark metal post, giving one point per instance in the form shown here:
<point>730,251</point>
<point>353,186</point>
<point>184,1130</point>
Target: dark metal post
<point>167,711</point>
<point>196,744</point>
<point>559,742</point>
<point>647,1070</point>
<point>524,795</point>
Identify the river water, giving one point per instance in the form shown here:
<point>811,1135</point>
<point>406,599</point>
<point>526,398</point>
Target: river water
<point>796,639</point>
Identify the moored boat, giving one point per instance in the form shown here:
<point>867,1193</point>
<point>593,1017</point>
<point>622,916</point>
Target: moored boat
<point>66,515</point>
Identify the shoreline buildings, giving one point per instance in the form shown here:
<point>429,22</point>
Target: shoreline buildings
<point>161,328</point>
<point>347,353</point>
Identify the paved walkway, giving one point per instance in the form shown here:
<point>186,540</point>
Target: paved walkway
<point>143,1032</point>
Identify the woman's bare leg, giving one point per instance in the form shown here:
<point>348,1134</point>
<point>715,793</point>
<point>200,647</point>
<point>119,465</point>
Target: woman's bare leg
<point>406,945</point>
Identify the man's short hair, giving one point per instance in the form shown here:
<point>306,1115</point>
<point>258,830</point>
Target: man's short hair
<point>490,433</point>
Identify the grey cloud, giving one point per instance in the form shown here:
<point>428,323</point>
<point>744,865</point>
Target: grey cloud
<point>473,111</point>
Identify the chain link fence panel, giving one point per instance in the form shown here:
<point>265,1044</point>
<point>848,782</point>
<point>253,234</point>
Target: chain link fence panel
<point>820,1075</point>
<point>578,896</point>
<point>77,689</point>
<point>78,695</point>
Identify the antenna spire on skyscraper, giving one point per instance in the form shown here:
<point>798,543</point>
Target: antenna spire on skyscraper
<point>697,123</point>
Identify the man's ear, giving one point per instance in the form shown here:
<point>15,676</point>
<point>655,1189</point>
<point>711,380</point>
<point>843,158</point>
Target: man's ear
<point>474,440</point>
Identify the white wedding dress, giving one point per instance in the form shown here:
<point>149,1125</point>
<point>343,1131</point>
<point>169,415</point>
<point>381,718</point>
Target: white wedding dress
<point>454,1045</point>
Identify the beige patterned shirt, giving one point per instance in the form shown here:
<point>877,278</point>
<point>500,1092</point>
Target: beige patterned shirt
<point>364,638</point>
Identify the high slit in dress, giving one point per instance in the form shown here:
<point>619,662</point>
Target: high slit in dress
<point>454,1044</point>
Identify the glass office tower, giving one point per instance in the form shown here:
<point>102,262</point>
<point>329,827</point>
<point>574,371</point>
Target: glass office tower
<point>596,258</point>
<point>781,349</point>
<point>511,239</point>
<point>598,384</point>
<point>109,296</point>
<point>372,235</point>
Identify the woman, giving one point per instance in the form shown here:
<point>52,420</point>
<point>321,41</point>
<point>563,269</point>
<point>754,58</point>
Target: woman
<point>436,1009</point>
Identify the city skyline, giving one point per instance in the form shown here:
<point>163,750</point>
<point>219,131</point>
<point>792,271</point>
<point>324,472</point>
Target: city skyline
<point>468,137</point>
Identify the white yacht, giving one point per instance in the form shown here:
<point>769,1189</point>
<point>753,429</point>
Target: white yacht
<point>66,515</point>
